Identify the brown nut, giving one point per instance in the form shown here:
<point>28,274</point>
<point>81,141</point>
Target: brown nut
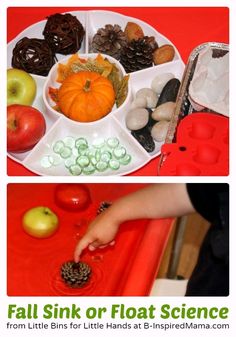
<point>163,54</point>
<point>133,31</point>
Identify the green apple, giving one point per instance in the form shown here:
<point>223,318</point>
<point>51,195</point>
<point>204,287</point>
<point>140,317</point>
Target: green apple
<point>21,87</point>
<point>40,222</point>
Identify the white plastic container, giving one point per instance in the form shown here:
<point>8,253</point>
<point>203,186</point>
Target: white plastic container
<point>112,125</point>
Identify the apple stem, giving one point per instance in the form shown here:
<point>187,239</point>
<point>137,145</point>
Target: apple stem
<point>12,124</point>
<point>46,211</point>
<point>13,91</point>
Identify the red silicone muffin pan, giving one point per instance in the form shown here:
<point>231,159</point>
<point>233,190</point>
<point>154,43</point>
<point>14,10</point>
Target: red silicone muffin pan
<point>201,148</point>
<point>126,269</point>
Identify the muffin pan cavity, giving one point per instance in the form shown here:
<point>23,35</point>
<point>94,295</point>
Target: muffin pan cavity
<point>202,131</point>
<point>187,169</point>
<point>207,154</point>
<point>201,146</point>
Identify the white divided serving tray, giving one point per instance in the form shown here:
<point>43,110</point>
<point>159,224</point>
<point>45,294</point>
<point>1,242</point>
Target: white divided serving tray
<point>58,126</point>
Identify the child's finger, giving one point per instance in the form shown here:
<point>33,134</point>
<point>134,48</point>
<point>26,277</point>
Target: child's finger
<point>83,243</point>
<point>96,244</point>
<point>102,246</point>
<point>91,247</point>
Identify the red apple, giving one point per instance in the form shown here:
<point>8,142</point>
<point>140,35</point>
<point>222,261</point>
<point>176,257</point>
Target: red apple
<point>25,127</point>
<point>72,197</point>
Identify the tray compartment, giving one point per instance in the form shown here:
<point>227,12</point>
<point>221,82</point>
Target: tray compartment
<point>38,104</point>
<point>97,19</point>
<point>36,30</point>
<point>63,128</point>
<point>143,79</point>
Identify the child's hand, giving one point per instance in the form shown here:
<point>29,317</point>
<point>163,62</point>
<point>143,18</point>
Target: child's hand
<point>101,233</point>
<point>151,202</point>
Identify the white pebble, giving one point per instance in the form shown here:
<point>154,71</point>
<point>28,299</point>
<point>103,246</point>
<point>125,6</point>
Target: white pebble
<point>164,111</point>
<point>140,102</point>
<point>137,118</point>
<point>149,95</point>
<point>160,81</point>
<point>159,131</point>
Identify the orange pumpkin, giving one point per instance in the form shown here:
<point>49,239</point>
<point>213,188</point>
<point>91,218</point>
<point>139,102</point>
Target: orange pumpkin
<point>86,96</point>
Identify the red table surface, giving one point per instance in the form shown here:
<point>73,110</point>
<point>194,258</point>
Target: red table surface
<point>126,269</point>
<point>186,27</point>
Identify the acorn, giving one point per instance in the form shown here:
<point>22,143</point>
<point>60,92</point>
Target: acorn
<point>74,274</point>
<point>133,31</point>
<point>163,54</point>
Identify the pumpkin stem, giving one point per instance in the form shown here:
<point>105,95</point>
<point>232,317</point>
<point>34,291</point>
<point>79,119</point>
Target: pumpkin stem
<point>87,86</point>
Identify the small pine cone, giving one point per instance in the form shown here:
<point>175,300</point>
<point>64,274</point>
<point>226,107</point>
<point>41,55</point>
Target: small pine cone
<point>103,206</point>
<point>74,274</point>
<point>152,42</point>
<point>109,40</point>
<point>137,55</point>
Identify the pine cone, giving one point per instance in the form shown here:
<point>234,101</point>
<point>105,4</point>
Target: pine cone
<point>152,42</point>
<point>103,206</point>
<point>75,274</point>
<point>109,40</point>
<point>137,55</point>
